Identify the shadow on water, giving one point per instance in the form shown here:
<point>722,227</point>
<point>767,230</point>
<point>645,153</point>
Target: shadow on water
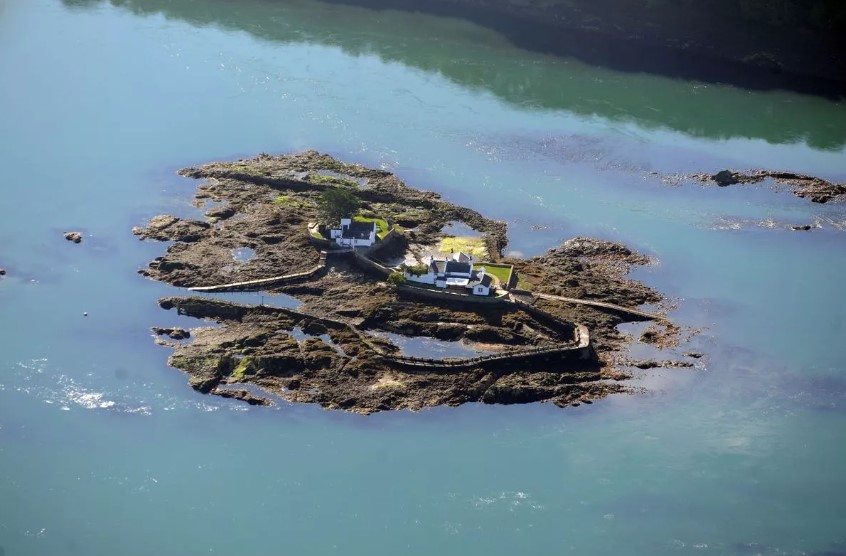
<point>480,59</point>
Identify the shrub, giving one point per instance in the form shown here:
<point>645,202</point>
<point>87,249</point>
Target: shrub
<point>396,279</point>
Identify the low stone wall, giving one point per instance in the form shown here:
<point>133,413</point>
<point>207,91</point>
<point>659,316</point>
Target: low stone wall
<point>518,291</point>
<point>254,285</point>
<point>366,263</point>
<point>322,243</point>
<point>541,314</point>
<point>382,244</point>
<point>443,295</point>
<point>580,350</point>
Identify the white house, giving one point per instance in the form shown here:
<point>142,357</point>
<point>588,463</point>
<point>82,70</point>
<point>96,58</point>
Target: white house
<point>354,234</point>
<point>454,273</point>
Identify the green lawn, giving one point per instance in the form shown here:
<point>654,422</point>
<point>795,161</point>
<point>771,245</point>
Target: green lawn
<point>501,271</point>
<point>470,245</point>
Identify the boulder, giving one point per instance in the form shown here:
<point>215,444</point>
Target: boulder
<point>173,333</point>
<point>724,178</point>
<point>75,237</point>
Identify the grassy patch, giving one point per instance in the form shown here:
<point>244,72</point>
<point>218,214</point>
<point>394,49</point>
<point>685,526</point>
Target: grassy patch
<point>241,369</point>
<point>381,226</point>
<point>501,271</point>
<point>523,285</point>
<point>289,201</point>
<point>474,246</point>
<point>333,180</point>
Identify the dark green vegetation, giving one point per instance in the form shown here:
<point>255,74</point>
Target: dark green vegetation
<point>334,204</point>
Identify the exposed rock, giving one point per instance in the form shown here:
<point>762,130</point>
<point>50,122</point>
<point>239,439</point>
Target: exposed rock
<point>653,364</point>
<point>173,333</point>
<point>694,354</point>
<point>75,237</point>
<point>221,212</point>
<point>646,364</point>
<point>2,271</point>
<point>239,394</point>
<point>170,228</point>
<point>803,228</point>
<point>724,178</point>
<point>816,189</point>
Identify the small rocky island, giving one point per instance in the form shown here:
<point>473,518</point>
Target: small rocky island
<point>368,264</point>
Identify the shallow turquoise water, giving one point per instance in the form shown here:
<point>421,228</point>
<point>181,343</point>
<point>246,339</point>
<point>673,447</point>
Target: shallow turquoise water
<point>105,450</point>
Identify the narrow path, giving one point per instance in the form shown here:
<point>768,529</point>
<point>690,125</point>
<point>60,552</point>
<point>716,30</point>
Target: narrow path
<point>600,304</point>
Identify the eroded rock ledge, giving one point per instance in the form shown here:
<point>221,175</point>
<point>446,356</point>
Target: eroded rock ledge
<point>335,347</point>
<point>816,189</point>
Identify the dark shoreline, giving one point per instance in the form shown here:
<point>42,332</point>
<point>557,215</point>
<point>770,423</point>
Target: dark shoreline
<point>551,32</point>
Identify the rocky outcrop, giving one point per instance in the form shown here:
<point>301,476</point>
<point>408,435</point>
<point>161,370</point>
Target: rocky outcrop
<point>172,333</point>
<point>240,394</point>
<point>816,189</point>
<point>75,237</point>
<point>170,228</point>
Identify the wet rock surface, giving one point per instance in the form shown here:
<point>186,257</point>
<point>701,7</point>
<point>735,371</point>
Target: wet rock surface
<point>326,351</point>
<point>813,188</point>
<point>172,333</point>
<point>75,237</point>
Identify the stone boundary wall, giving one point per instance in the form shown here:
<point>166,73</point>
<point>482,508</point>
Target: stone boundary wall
<point>253,285</point>
<point>389,238</point>
<point>366,263</point>
<point>452,297</point>
<point>579,349</point>
<point>322,243</point>
<point>537,312</point>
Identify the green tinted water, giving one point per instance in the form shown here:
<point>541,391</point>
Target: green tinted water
<point>105,450</point>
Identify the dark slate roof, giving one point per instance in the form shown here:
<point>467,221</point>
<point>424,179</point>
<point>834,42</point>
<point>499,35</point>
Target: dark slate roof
<point>358,230</point>
<point>455,267</point>
<point>438,267</point>
<point>485,281</point>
